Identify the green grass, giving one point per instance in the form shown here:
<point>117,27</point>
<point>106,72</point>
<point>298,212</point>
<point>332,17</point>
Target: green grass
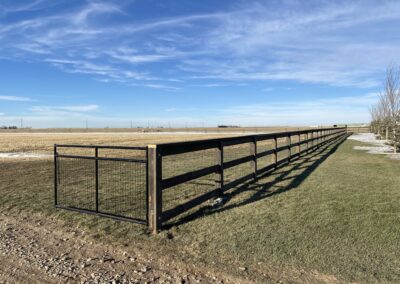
<point>337,214</point>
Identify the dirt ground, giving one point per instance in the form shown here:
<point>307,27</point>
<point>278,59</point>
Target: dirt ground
<point>34,250</point>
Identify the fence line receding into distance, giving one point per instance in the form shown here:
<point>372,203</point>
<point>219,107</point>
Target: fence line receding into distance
<point>155,184</point>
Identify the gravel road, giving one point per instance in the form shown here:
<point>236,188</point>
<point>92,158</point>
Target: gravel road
<point>32,251</point>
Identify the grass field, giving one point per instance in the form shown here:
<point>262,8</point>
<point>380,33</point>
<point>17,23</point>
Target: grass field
<point>42,140</point>
<point>335,213</point>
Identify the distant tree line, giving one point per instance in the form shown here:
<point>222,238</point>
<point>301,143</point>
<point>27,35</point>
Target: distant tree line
<point>8,127</point>
<point>385,115</point>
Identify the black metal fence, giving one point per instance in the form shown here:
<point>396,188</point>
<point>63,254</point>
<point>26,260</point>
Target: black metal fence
<point>184,175</point>
<point>152,185</point>
<point>103,180</point>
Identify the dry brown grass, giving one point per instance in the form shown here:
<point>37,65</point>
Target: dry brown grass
<point>42,140</point>
<point>147,130</point>
<point>325,214</point>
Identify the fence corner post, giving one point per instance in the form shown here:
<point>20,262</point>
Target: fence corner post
<point>154,189</point>
<point>275,152</point>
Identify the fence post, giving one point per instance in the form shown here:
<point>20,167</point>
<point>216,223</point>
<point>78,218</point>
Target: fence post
<point>55,175</point>
<point>312,140</point>
<point>154,188</point>
<point>299,145</point>
<point>220,162</point>
<point>276,152</point>
<point>253,153</point>
<point>96,162</point>
<point>319,138</point>
<point>289,144</point>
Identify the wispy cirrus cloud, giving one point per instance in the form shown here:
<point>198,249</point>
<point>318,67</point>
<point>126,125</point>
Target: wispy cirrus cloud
<point>329,111</point>
<point>74,108</point>
<point>15,99</point>
<point>21,7</point>
<point>177,109</point>
<point>87,67</point>
<point>336,43</point>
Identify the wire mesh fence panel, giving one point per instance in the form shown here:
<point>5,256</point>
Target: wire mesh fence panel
<point>76,183</point>
<point>75,151</point>
<point>182,193</point>
<point>304,138</point>
<point>180,164</point>
<point>292,140</point>
<point>262,146</point>
<point>122,153</point>
<point>265,161</point>
<point>282,155</point>
<point>237,172</point>
<point>102,180</point>
<point>236,152</point>
<point>282,141</point>
<point>187,162</point>
<point>122,189</point>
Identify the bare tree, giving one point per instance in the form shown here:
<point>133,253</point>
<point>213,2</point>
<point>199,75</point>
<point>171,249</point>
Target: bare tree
<point>386,114</point>
<point>392,101</point>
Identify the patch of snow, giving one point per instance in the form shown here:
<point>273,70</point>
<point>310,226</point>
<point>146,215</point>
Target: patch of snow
<point>23,155</point>
<point>377,146</point>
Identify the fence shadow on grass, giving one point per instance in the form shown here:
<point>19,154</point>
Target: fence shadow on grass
<point>260,189</point>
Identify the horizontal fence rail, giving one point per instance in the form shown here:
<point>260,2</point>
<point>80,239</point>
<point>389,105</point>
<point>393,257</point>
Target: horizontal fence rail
<point>155,184</point>
<point>109,181</point>
<point>186,174</point>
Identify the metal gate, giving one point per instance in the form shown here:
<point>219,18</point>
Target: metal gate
<point>110,181</point>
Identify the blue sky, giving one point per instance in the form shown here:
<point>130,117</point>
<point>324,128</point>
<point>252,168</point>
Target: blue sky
<point>194,63</point>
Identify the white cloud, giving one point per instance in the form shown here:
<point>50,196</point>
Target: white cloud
<point>35,5</point>
<point>93,8</point>
<point>133,57</point>
<point>174,109</point>
<point>75,109</point>
<point>332,43</point>
<point>84,108</point>
<point>326,111</point>
<point>14,99</point>
<point>87,67</point>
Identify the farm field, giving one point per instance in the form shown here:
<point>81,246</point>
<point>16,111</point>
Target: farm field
<point>319,219</point>
<point>42,140</point>
<point>262,129</point>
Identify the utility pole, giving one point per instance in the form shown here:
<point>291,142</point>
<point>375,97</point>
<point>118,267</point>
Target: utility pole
<point>87,124</point>
<point>22,123</point>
